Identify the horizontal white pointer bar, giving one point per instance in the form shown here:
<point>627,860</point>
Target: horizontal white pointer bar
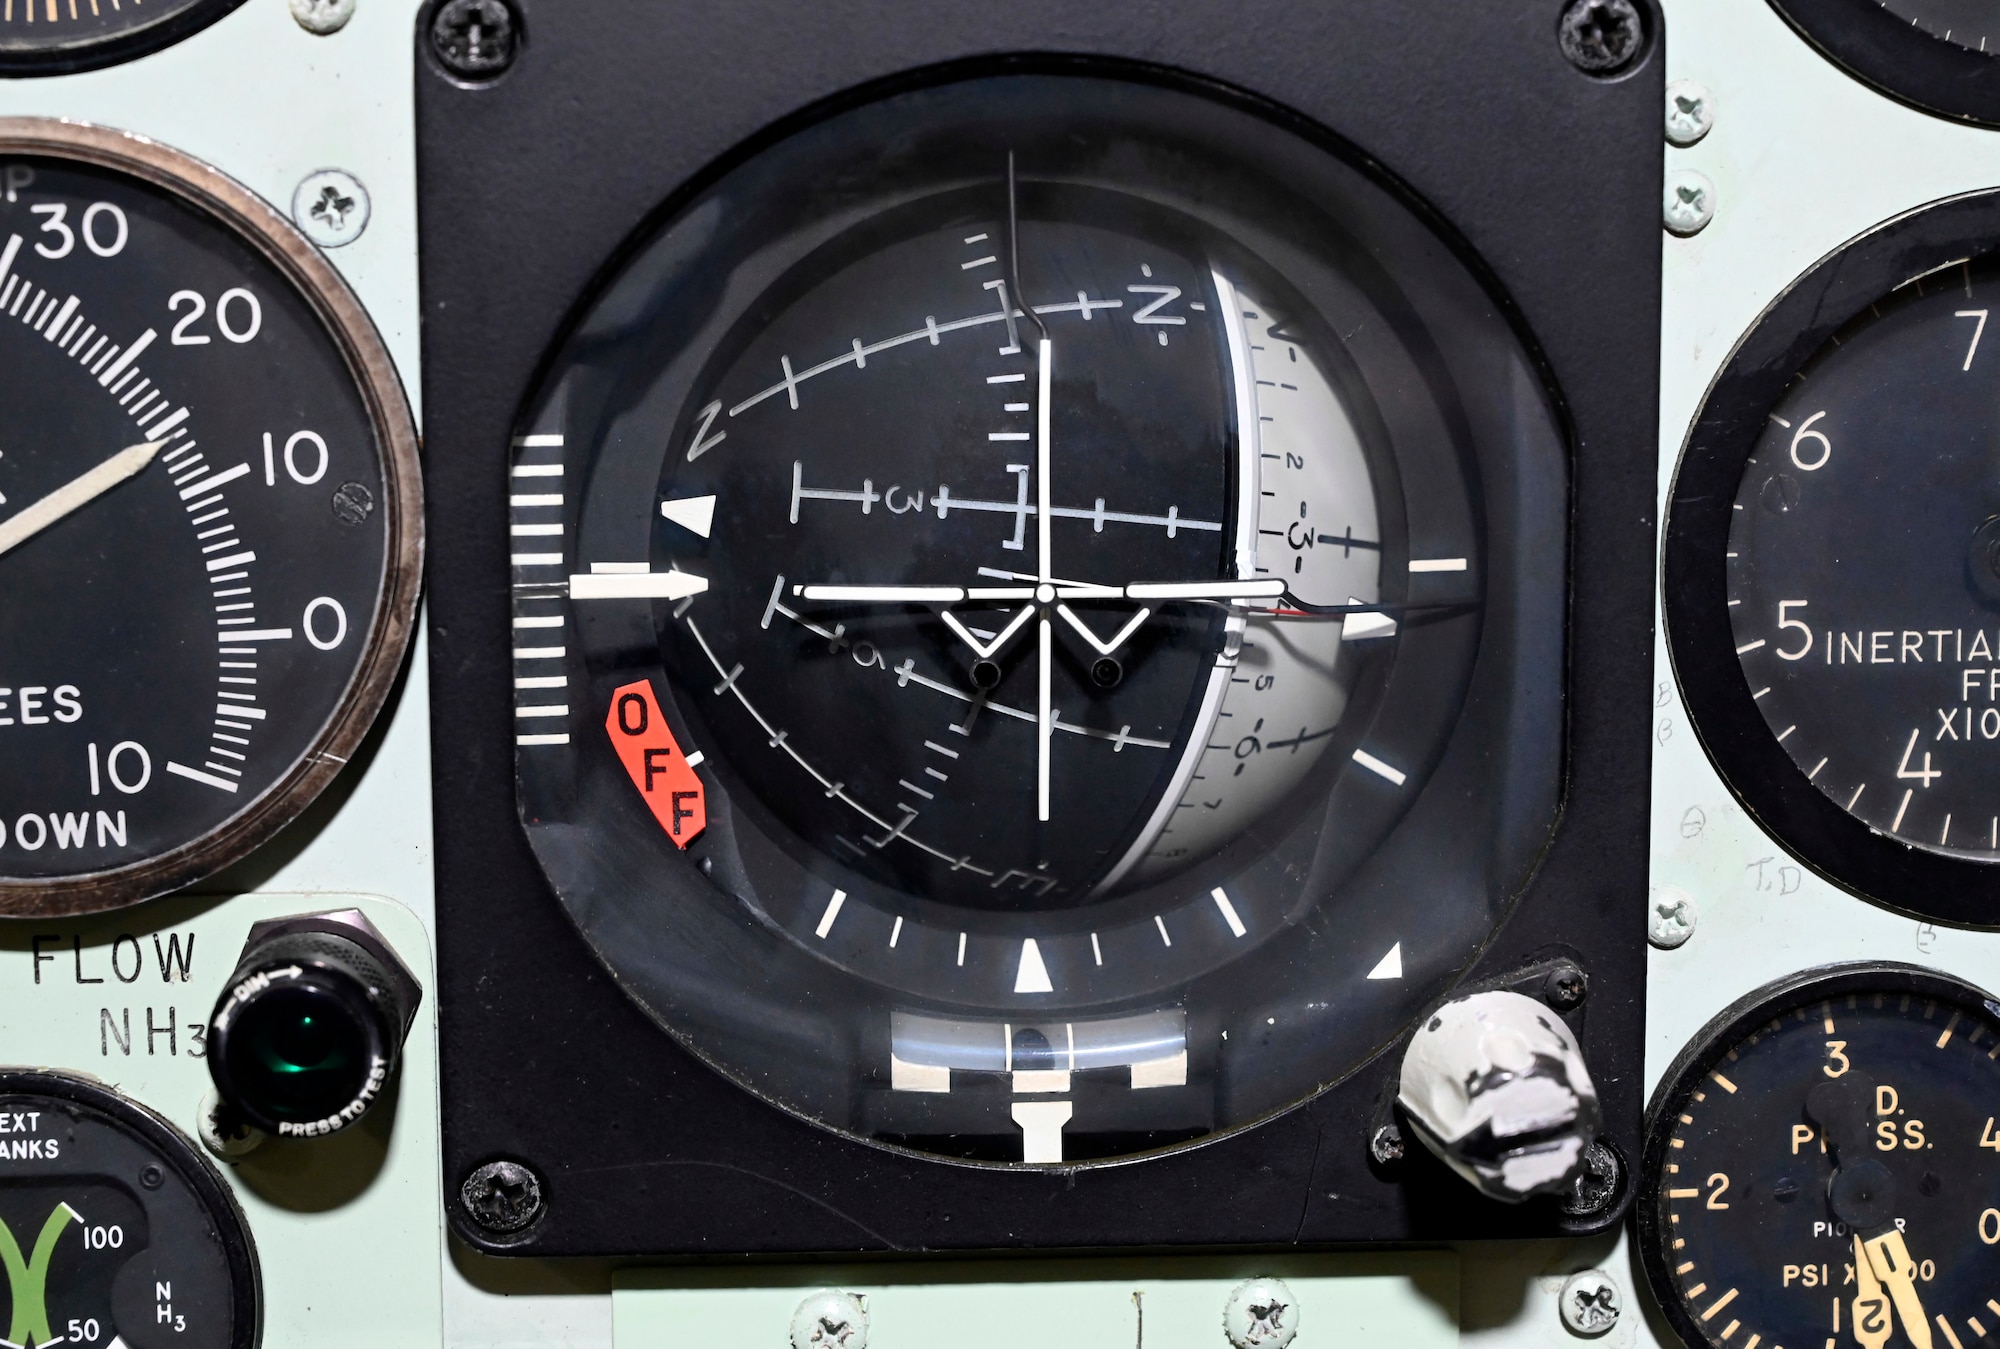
<point>256,635</point>
<point>1145,590</point>
<point>1204,590</point>
<point>658,585</point>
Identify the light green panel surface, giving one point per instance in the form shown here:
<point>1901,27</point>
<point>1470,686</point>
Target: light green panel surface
<point>347,1228</point>
<point>1409,1300</point>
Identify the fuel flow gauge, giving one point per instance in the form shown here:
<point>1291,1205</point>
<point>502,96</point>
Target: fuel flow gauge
<point>1823,1167</point>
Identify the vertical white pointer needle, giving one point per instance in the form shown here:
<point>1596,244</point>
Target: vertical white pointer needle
<point>1045,729</point>
<point>77,492</point>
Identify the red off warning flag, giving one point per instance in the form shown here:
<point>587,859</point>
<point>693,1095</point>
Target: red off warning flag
<point>664,776</point>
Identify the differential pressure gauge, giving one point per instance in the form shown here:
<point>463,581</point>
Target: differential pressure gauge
<point>210,520</point>
<point>1823,1167</point>
<point>1833,566</point>
<point>998,579</point>
<point>113,1227</point>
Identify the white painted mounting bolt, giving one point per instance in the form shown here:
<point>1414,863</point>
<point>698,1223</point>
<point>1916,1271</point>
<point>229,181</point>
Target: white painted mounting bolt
<point>1688,203</point>
<point>1260,1314</point>
<point>1670,917</point>
<point>830,1319</point>
<point>322,16</point>
<point>1690,112</point>
<point>1590,1302</point>
<point>331,206</point>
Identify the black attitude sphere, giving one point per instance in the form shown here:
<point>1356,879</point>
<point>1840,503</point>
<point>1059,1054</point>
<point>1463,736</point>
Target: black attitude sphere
<point>208,521</point>
<point>1824,1167</point>
<point>971,586</point>
<point>1864,568</point>
<point>878,557</point>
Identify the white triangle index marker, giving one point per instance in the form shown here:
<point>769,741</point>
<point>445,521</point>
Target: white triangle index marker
<point>695,513</point>
<point>1033,975</point>
<point>1389,966</point>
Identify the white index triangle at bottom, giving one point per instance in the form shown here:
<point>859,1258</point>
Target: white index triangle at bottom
<point>1033,975</point>
<point>1389,966</point>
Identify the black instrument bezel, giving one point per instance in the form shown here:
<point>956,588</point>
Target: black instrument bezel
<point>643,1150</point>
<point>1700,641</point>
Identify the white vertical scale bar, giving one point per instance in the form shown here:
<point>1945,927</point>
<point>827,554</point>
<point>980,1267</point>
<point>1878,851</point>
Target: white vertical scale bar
<point>1044,728</point>
<point>130,354</point>
<point>7,255</point>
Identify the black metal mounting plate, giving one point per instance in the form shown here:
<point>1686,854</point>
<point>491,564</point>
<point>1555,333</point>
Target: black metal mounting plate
<point>530,184</point>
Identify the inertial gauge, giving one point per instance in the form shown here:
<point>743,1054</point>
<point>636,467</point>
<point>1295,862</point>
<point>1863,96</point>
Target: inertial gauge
<point>1832,574</point>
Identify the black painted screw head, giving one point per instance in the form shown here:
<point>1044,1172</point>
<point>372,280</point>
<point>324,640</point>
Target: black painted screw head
<point>502,1196</point>
<point>1601,37</point>
<point>1387,1146</point>
<point>475,39</point>
<point>1597,1186</point>
<point>1565,988</point>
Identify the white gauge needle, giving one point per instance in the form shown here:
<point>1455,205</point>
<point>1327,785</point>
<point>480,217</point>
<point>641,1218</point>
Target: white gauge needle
<point>1893,1266</point>
<point>1869,1319</point>
<point>1044,721</point>
<point>76,493</point>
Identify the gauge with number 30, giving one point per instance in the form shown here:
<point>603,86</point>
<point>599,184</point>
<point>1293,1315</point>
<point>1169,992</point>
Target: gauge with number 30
<point>210,520</point>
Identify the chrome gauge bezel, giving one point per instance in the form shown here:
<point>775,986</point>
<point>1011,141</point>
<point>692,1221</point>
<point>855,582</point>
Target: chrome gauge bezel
<point>238,210</point>
<point>1694,580</point>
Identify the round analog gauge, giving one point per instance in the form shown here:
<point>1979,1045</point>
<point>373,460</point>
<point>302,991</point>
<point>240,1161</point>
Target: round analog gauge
<point>54,37</point>
<point>972,586</point>
<point>113,1228</point>
<point>1835,609</point>
<point>1939,55</point>
<point>210,520</point>
<point>1823,1165</point>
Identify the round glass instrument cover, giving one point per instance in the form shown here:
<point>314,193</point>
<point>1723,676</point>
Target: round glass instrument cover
<point>113,1229</point>
<point>51,37</point>
<point>1864,568</point>
<point>1824,1167</point>
<point>208,522</point>
<point>1011,588</point>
